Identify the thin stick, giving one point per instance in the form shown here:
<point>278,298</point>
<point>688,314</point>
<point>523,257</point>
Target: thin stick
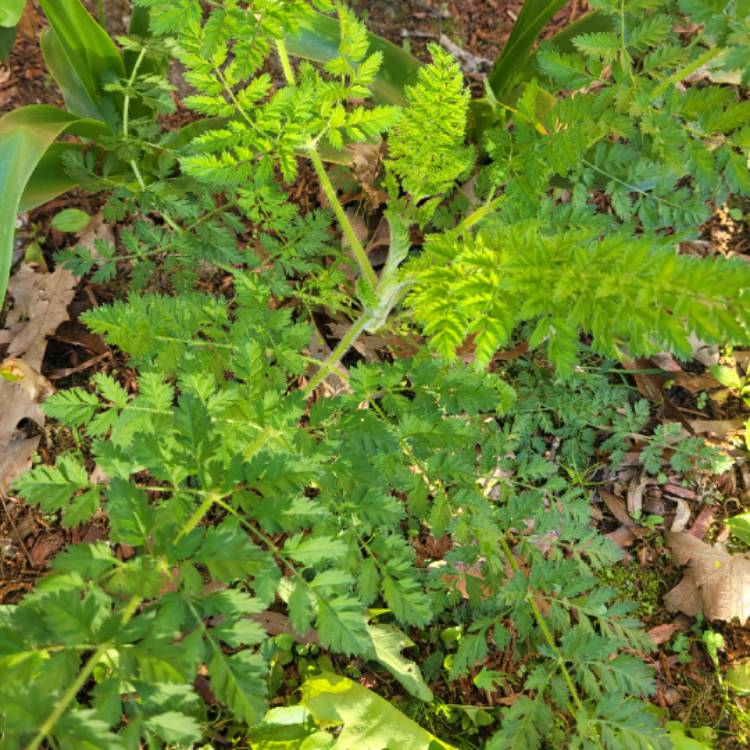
<point>15,531</point>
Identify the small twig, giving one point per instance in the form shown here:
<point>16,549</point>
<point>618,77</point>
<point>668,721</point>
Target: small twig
<point>470,62</point>
<point>16,533</point>
<point>67,371</point>
<point>443,13</point>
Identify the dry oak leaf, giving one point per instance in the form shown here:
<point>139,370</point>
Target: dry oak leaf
<point>716,582</point>
<point>40,304</point>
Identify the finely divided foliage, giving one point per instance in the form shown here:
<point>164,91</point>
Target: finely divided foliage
<point>228,496</point>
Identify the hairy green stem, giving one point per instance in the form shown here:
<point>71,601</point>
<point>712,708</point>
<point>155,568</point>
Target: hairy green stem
<point>683,73</point>
<point>126,113</point>
<point>338,353</point>
<point>200,511</point>
<point>480,213</point>
<point>548,635</point>
<point>70,694</point>
<point>258,534</point>
<point>236,102</point>
<point>359,252</point>
<point>286,65</point>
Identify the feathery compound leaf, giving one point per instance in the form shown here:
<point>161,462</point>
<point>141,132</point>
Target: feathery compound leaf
<point>229,493</point>
<point>571,283</point>
<point>341,625</point>
<point>427,144</point>
<point>52,488</point>
<point>73,407</point>
<point>409,603</point>
<point>601,45</point>
<point>239,681</point>
<point>312,551</point>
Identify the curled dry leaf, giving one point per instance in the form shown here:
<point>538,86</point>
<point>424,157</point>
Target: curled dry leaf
<point>676,491</point>
<point>625,536</point>
<point>682,516</point>
<point>703,521</point>
<point>662,633</point>
<point>616,506</point>
<point>366,162</point>
<point>635,494</point>
<point>716,582</point>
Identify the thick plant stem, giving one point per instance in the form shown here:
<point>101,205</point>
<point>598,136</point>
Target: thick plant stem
<point>338,353</point>
<point>126,113</point>
<point>195,519</point>
<point>286,65</point>
<point>359,252</point>
<point>548,635</point>
<point>70,694</point>
<point>683,73</point>
<point>479,214</point>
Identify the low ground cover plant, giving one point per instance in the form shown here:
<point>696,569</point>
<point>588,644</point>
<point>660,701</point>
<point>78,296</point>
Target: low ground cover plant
<point>236,491</point>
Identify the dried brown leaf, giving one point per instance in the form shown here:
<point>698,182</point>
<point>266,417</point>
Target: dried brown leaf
<point>616,507</point>
<point>45,548</point>
<point>677,491</point>
<point>635,495</point>
<point>16,448</point>
<point>662,633</point>
<point>20,372</point>
<point>623,537</point>
<point>15,458</point>
<point>40,305</point>
<point>696,383</point>
<point>682,516</point>
<point>719,427</point>
<point>665,361</point>
<point>96,230</point>
<point>650,385</point>
<point>716,582</point>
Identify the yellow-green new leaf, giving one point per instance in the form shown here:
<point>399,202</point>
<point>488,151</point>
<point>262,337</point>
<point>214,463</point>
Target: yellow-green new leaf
<point>11,12</point>
<point>369,721</point>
